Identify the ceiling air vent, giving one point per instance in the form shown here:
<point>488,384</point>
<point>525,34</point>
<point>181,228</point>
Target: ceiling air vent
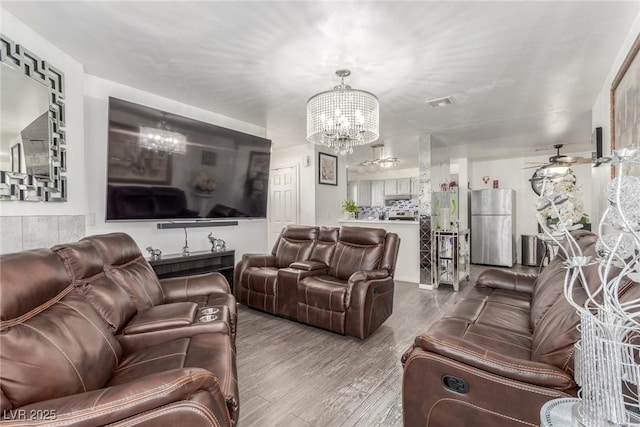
<point>439,102</point>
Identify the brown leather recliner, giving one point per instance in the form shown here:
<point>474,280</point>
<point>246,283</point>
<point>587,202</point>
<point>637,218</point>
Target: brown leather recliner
<point>336,279</point>
<point>60,361</point>
<point>501,352</point>
<point>128,268</point>
<point>111,273</point>
<point>256,274</point>
<point>356,295</point>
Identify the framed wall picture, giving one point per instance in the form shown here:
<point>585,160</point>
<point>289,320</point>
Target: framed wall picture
<point>625,103</point>
<point>327,169</point>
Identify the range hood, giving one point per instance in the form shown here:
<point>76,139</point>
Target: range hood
<point>398,197</point>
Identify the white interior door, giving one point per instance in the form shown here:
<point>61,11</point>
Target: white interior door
<point>283,200</point>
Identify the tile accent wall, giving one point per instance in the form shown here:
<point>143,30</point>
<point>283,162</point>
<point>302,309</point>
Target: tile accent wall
<point>19,233</point>
<point>433,159</point>
<point>424,206</point>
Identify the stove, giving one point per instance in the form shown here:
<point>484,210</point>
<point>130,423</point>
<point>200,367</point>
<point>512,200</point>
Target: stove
<point>402,215</point>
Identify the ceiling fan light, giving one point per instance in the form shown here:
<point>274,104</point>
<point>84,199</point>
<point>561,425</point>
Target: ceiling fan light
<point>378,162</point>
<point>557,170</point>
<point>389,163</point>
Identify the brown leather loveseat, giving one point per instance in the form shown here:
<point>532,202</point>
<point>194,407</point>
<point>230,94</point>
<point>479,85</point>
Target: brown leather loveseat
<point>501,352</point>
<point>89,336</point>
<point>340,279</point>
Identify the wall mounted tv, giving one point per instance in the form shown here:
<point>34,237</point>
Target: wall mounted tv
<point>164,166</point>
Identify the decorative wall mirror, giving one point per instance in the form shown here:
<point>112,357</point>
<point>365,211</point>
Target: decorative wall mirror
<point>32,154</point>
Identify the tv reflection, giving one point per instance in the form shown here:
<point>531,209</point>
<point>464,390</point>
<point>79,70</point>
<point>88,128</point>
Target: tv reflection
<point>255,192</point>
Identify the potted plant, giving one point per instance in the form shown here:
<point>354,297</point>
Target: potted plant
<point>350,208</point>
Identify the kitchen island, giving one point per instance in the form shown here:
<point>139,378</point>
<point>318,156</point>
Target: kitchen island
<point>408,264</point>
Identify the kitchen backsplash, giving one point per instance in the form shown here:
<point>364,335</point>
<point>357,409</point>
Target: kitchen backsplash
<point>382,212</point>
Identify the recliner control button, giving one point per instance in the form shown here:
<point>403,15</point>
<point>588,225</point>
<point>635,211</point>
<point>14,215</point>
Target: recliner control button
<point>455,384</point>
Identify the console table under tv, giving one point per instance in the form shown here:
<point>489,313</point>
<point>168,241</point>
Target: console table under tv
<point>174,265</point>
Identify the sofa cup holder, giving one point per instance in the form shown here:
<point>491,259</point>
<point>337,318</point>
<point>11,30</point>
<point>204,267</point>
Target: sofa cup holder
<point>208,318</point>
<point>207,311</point>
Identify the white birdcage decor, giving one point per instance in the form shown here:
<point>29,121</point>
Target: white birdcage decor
<point>343,118</point>
<point>608,353</point>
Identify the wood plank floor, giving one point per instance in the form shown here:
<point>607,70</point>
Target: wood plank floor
<point>291,374</point>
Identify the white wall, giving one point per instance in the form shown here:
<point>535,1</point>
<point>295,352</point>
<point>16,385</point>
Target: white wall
<point>297,156</point>
<point>601,117</point>
<point>511,173</point>
<point>73,74</point>
<point>319,204</point>
<point>329,197</point>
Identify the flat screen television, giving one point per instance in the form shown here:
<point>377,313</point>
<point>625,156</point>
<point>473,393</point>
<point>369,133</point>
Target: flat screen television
<point>165,166</point>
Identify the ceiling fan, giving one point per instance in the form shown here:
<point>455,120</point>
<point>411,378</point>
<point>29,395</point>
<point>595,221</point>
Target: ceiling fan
<point>561,160</point>
<point>557,168</point>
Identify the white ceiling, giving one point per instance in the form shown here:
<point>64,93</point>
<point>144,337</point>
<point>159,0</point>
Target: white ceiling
<point>522,75</point>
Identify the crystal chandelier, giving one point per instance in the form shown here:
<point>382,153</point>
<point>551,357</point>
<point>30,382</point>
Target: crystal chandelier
<point>162,139</point>
<point>378,163</point>
<point>343,118</point>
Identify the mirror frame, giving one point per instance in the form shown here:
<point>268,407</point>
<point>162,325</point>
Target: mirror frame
<point>22,186</point>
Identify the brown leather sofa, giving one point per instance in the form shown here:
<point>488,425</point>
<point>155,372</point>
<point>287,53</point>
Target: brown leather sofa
<point>89,336</point>
<point>340,279</point>
<point>501,352</point>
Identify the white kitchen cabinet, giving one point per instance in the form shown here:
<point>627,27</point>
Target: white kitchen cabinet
<point>393,187</point>
<point>390,187</point>
<point>364,193</point>
<point>352,191</point>
<point>415,186</point>
<point>377,193</point>
<point>403,186</point>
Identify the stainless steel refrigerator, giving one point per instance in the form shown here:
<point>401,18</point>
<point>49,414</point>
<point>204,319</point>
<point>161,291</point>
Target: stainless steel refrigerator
<point>493,227</point>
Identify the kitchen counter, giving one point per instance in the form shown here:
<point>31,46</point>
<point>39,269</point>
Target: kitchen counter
<point>408,263</point>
